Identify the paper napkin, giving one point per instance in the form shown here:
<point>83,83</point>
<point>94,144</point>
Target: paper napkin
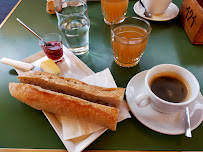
<point>75,128</point>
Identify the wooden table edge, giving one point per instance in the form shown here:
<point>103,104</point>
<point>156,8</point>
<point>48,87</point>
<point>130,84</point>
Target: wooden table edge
<point>61,150</point>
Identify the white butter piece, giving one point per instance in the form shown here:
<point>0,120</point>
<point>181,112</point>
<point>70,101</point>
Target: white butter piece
<point>50,66</point>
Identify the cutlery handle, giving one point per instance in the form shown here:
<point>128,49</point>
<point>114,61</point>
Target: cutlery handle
<point>187,123</point>
<point>29,29</point>
<point>17,64</point>
<point>142,3</point>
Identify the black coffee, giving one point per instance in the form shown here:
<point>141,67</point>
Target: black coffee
<point>170,87</point>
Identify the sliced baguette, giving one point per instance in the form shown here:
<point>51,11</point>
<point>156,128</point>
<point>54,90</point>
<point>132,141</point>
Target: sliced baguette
<point>107,96</point>
<point>66,105</point>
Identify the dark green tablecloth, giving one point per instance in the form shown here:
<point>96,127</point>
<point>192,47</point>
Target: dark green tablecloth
<point>24,127</point>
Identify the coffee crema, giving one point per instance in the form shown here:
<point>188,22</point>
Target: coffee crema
<point>170,87</point>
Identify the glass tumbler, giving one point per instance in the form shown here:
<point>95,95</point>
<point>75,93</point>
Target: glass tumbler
<point>113,9</point>
<point>129,40</point>
<point>74,23</point>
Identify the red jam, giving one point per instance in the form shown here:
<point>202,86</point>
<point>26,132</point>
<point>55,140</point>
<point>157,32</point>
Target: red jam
<point>53,50</point>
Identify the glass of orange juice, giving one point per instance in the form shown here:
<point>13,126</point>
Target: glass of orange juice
<point>113,9</point>
<point>129,40</point>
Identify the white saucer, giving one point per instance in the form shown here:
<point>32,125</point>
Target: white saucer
<point>172,124</point>
<point>170,13</point>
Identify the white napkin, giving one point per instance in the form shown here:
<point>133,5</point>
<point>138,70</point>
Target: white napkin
<point>74,128</point>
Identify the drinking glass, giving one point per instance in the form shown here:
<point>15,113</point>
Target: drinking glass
<point>74,23</point>
<point>53,47</point>
<point>129,40</point>
<point>113,9</point>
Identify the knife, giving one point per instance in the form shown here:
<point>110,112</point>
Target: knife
<point>17,64</point>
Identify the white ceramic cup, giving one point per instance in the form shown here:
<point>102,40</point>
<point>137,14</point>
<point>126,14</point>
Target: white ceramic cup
<point>161,105</point>
<point>156,7</point>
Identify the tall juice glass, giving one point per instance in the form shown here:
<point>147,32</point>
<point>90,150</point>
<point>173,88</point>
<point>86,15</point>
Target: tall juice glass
<point>129,40</point>
<point>113,9</point>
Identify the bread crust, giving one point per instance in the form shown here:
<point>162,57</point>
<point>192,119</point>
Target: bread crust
<point>50,6</point>
<point>65,105</point>
<point>106,96</point>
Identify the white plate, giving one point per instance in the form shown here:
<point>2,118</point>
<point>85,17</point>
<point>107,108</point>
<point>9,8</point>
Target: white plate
<point>170,13</point>
<point>172,124</point>
<point>72,67</point>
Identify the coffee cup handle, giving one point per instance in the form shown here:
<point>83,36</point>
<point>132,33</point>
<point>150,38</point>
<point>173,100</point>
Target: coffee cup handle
<point>143,100</point>
<point>197,106</point>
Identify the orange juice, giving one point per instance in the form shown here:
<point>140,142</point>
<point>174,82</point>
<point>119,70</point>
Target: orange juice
<point>113,9</point>
<point>128,44</point>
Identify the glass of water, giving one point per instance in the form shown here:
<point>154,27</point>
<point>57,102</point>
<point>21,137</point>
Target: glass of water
<point>74,23</point>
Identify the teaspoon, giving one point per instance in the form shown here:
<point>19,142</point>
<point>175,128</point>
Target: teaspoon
<point>187,123</point>
<point>146,13</point>
<point>29,29</point>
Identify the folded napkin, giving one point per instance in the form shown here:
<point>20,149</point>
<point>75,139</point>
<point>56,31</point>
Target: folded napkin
<point>76,128</point>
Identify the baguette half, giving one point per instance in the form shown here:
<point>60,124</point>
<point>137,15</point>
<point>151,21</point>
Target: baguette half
<point>106,96</point>
<point>66,105</point>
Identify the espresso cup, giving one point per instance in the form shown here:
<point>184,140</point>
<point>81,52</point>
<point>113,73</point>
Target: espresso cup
<point>156,7</point>
<point>169,88</point>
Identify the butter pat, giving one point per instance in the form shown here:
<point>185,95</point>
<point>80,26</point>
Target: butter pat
<point>50,67</point>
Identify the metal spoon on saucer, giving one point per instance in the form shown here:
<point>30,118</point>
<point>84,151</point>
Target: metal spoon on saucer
<point>146,13</point>
<point>187,123</point>
<point>32,31</point>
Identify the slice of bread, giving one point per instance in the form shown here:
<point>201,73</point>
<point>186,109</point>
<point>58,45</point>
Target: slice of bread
<point>106,96</point>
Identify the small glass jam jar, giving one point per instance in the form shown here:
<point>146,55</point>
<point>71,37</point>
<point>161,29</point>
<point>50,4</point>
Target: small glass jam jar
<point>52,47</point>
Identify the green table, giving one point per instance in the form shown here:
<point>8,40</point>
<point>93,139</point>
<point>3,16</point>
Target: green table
<point>24,127</point>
